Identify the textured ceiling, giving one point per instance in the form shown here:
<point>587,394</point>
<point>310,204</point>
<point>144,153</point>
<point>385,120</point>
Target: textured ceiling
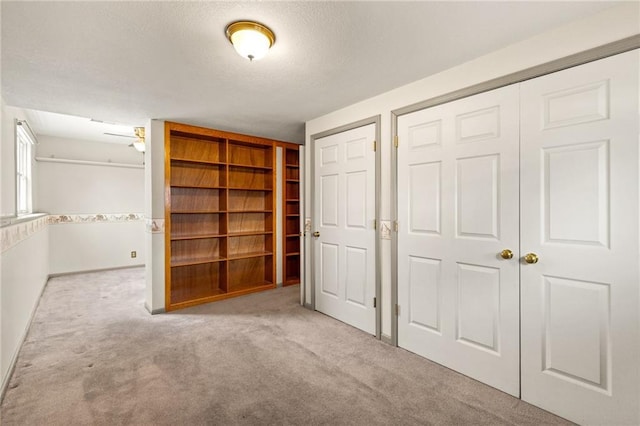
<point>129,61</point>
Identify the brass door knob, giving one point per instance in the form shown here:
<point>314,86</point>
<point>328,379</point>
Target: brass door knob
<point>506,254</point>
<point>316,234</point>
<point>531,258</point>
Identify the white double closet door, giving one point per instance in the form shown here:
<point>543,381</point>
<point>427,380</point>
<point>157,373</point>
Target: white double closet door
<point>545,168</point>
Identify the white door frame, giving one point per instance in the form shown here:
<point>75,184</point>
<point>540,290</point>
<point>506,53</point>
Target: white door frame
<point>360,123</point>
<point>601,52</point>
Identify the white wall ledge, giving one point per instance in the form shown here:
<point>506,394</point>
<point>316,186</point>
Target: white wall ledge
<point>13,220</point>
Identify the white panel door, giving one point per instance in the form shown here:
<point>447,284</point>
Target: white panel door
<point>580,336</point>
<point>344,214</point>
<point>457,211</point>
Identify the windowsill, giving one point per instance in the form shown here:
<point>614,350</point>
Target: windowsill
<point>12,220</point>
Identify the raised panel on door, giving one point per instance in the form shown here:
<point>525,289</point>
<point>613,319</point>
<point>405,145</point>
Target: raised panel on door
<point>355,280</point>
<point>424,289</point>
<point>344,213</point>
<point>424,197</point>
<point>579,215</point>
<point>576,184</point>
<point>328,267</point>
<point>477,204</point>
<point>329,201</point>
<point>478,307</point>
<point>457,209</point>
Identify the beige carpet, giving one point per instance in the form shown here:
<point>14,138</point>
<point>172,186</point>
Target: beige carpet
<point>95,356</point>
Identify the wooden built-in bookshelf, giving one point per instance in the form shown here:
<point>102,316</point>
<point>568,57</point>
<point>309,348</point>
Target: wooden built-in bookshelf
<point>219,215</point>
<point>291,209</point>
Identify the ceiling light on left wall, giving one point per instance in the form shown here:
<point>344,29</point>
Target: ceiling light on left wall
<point>250,39</point>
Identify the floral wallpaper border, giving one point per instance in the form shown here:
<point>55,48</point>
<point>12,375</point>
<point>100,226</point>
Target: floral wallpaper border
<point>154,226</point>
<point>92,218</point>
<point>14,234</point>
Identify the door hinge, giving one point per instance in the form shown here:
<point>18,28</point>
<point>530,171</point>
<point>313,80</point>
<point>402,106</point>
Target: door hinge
<point>375,224</point>
<point>374,302</point>
<point>375,145</point>
<point>397,310</point>
<point>395,141</point>
<point>395,225</point>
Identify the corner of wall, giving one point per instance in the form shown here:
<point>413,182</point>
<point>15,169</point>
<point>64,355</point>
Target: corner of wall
<point>154,216</point>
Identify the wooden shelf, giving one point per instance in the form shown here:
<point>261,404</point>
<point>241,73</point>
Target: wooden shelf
<point>197,186</point>
<point>220,215</point>
<point>250,255</point>
<point>196,261</point>
<point>249,166</point>
<point>237,188</point>
<point>250,211</point>
<point>189,160</point>
<point>195,236</point>
<point>185,200</point>
<point>244,234</point>
<point>253,285</point>
<point>291,225</point>
<point>198,211</point>
<point>196,282</point>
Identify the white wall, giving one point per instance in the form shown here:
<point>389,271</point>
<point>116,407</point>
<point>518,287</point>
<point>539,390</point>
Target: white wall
<point>96,201</point>
<point>154,217</point>
<point>23,255</point>
<point>613,24</point>
<point>88,189</point>
<point>24,274</point>
<point>92,246</point>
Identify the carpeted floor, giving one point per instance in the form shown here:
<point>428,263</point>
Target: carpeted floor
<point>95,356</point>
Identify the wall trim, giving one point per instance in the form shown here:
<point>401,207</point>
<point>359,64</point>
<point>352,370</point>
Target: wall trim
<point>88,162</point>
<point>57,219</point>
<point>576,59</point>
<point>387,339</point>
<point>590,55</point>
<point>154,311</point>
<point>89,271</point>
<point>17,229</point>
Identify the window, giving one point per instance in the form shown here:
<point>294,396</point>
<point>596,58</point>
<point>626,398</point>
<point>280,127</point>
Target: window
<point>24,142</point>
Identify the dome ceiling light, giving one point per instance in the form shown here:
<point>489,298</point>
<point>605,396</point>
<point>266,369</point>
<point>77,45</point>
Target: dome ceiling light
<point>250,39</point>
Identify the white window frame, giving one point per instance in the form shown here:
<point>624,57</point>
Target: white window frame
<point>24,181</point>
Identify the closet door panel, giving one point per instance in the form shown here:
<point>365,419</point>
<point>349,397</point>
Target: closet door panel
<point>579,215</point>
<point>457,210</point>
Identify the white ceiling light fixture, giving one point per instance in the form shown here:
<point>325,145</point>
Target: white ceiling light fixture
<point>250,39</point>
<point>138,144</point>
